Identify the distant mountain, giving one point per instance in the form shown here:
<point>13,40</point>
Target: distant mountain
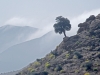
<point>11,35</point>
<point>17,56</point>
<point>10,73</point>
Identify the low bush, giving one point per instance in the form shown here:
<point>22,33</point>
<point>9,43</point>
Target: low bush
<point>67,55</point>
<point>88,65</point>
<point>31,70</point>
<point>87,73</point>
<point>62,71</point>
<point>51,56</point>
<point>79,56</point>
<point>47,65</point>
<point>58,68</point>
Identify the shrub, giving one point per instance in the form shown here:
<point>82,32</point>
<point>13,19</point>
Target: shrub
<point>95,69</point>
<point>51,55</point>
<point>67,55</point>
<point>88,65</point>
<point>47,65</point>
<point>76,71</point>
<point>54,53</point>
<point>62,71</point>
<point>58,68</point>
<point>31,70</point>
<point>38,60</point>
<point>87,73</point>
<point>74,57</point>
<point>79,56</point>
<point>77,43</point>
<point>36,64</point>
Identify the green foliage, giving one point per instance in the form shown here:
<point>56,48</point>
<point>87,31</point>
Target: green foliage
<point>67,55</point>
<point>47,65</point>
<point>93,37</point>
<point>35,64</point>
<point>76,71</point>
<point>62,71</point>
<point>54,53</point>
<point>87,73</point>
<point>31,70</point>
<point>77,43</point>
<point>51,56</point>
<point>74,57</point>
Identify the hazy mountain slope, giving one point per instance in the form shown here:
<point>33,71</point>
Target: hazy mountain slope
<point>76,55</point>
<point>22,54</point>
<point>11,35</point>
<point>10,73</point>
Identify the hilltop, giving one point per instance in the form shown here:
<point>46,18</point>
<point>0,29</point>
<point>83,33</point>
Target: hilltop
<point>75,55</point>
<point>11,35</point>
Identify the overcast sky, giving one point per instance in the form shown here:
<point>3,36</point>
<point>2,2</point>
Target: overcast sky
<point>42,13</point>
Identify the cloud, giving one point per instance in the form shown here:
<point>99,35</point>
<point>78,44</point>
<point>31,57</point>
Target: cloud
<point>41,32</point>
<point>45,25</point>
<point>74,22</point>
<point>38,23</point>
<point>19,21</point>
<point>80,19</point>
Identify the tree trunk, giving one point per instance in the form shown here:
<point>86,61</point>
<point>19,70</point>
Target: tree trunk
<point>64,33</point>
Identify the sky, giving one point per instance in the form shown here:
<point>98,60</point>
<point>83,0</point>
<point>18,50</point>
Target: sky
<point>42,13</point>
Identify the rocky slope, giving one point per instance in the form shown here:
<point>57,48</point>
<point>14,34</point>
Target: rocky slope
<point>76,55</point>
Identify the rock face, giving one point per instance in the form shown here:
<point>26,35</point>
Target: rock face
<point>76,55</point>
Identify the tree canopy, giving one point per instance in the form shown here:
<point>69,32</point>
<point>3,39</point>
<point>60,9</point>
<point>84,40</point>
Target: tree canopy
<point>62,24</point>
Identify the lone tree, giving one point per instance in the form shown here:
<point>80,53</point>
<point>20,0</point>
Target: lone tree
<point>62,25</point>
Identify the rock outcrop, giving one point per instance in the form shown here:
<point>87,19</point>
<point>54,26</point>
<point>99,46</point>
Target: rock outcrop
<point>76,55</point>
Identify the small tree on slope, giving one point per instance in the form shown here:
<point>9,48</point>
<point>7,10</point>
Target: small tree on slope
<point>62,25</point>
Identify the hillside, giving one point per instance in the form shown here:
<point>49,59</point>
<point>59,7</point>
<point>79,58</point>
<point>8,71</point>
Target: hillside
<point>27,52</point>
<point>76,55</point>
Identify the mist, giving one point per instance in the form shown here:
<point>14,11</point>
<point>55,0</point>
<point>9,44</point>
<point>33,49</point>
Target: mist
<point>45,25</point>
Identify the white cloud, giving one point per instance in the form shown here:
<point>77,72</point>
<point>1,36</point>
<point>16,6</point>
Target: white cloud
<point>41,32</point>
<point>46,24</point>
<point>19,21</point>
<point>79,19</point>
<point>74,22</point>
